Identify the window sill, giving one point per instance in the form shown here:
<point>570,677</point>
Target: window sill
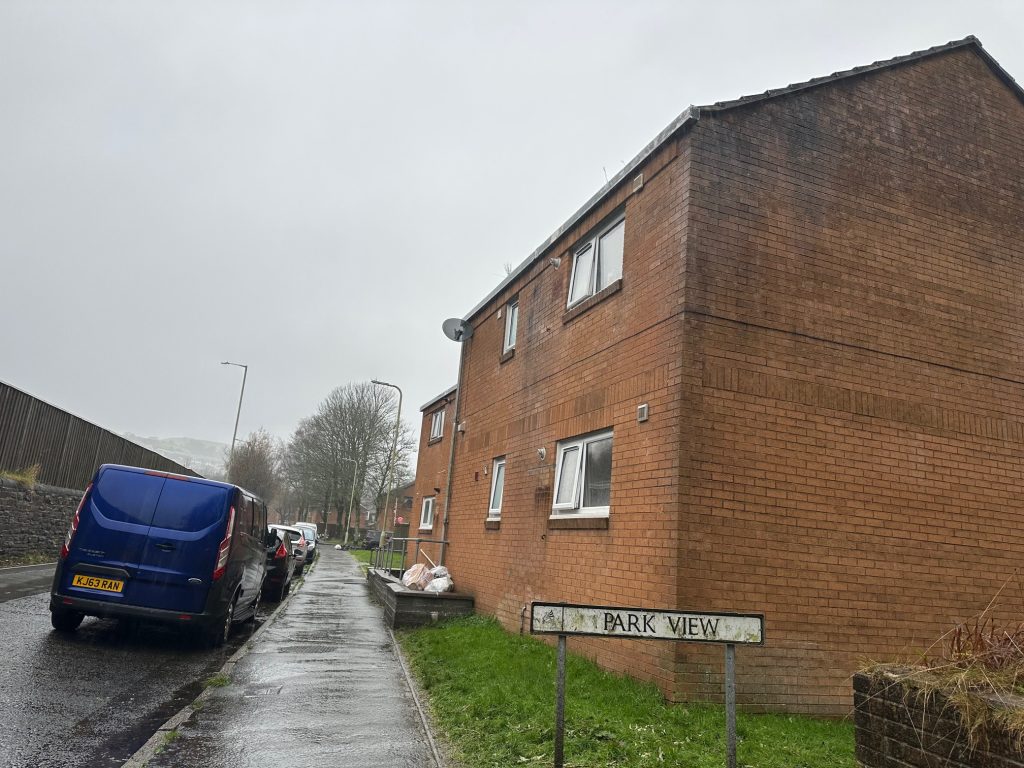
<point>433,440</point>
<point>578,309</point>
<point>567,522</point>
<point>507,355</point>
<point>428,529</point>
<point>492,525</point>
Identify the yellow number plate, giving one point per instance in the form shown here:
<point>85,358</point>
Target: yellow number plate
<point>97,582</point>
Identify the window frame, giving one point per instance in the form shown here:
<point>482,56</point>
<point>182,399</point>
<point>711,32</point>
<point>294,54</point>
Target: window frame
<point>437,420</point>
<point>511,311</point>
<point>423,508</point>
<point>591,243</point>
<point>574,507</point>
<point>494,513</point>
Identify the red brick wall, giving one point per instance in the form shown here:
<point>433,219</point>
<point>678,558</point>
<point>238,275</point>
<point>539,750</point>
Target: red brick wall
<point>855,323</point>
<point>569,377</point>
<point>431,480</point>
<point>837,420</point>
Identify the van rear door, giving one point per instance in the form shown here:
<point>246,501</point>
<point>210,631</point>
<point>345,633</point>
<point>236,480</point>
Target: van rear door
<point>186,529</point>
<point>113,529</point>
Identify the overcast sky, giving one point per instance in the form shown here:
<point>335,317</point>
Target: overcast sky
<point>311,188</point>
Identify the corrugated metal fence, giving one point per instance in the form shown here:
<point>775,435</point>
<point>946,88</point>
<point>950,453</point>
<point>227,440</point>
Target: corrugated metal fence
<point>67,449</point>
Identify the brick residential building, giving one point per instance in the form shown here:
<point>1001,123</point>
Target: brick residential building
<point>776,365</point>
<point>431,486</point>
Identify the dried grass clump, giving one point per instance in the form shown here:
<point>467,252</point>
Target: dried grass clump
<point>978,670</point>
<point>27,477</point>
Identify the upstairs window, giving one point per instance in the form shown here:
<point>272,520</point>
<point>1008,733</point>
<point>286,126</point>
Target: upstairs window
<point>583,476</point>
<point>511,326</point>
<point>497,489</point>
<point>427,513</point>
<point>597,261</point>
<point>437,425</point>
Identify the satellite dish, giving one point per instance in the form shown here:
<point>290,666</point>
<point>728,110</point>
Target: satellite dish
<point>457,329</point>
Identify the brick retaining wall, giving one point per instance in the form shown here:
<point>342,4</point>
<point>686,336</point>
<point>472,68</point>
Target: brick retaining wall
<point>33,522</point>
<point>897,727</point>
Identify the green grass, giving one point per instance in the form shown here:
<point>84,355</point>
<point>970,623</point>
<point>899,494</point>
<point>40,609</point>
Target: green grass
<point>492,694</point>
<point>365,556</point>
<point>218,681</point>
<point>28,558</point>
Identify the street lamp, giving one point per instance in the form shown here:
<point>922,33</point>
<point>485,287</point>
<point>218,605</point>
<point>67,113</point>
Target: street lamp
<point>245,372</point>
<point>394,453</point>
<point>351,497</point>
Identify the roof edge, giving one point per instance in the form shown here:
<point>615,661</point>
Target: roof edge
<point>968,42</point>
<point>688,117</point>
<point>442,396</point>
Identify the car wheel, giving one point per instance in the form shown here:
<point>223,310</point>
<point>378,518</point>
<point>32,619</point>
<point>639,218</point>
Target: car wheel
<point>219,633</point>
<point>64,620</point>
<point>282,590</point>
<point>286,589</point>
<point>255,605</point>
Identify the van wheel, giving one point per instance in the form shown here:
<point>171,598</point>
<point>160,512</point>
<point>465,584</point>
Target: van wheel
<point>219,633</point>
<point>65,621</point>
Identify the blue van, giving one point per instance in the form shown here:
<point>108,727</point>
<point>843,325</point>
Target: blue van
<point>164,547</point>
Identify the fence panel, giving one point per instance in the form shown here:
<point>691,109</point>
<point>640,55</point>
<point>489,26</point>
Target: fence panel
<point>68,449</point>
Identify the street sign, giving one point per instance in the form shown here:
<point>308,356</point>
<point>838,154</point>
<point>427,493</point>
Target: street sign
<point>639,623</point>
<point>729,629</point>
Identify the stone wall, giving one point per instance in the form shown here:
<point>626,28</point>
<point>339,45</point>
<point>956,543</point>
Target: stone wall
<point>33,521</point>
<point>898,727</point>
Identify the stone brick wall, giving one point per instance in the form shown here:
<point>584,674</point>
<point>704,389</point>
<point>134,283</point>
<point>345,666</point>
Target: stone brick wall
<point>899,728</point>
<point>33,522</point>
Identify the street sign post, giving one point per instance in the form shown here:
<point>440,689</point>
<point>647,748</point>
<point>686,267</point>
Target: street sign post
<point>729,629</point>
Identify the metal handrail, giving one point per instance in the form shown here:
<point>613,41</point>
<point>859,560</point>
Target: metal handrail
<point>386,554</point>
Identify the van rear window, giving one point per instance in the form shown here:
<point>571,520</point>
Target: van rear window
<point>190,507</point>
<point>128,497</point>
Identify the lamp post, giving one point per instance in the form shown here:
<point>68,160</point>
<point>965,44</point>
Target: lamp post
<point>351,497</point>
<point>394,453</point>
<point>234,435</point>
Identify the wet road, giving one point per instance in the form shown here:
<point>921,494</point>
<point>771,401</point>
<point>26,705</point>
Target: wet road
<point>23,580</point>
<point>91,699</point>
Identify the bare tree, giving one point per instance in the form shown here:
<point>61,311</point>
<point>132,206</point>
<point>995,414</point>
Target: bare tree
<point>343,451</point>
<point>255,464</point>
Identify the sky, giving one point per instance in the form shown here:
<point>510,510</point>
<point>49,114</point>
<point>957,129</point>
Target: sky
<point>311,187</point>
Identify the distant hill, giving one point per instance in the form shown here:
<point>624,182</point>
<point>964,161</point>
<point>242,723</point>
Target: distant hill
<point>203,456</point>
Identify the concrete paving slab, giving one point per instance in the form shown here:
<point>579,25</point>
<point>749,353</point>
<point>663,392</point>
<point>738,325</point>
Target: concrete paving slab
<point>321,685</point>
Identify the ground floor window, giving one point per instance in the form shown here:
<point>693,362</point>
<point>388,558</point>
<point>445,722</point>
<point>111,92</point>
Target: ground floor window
<point>427,513</point>
<point>497,489</point>
<point>583,476</point>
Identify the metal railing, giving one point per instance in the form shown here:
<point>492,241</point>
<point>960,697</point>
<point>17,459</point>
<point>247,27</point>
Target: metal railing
<point>384,556</point>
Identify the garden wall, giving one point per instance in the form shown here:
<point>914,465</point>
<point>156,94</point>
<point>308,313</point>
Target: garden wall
<point>33,521</point>
<point>899,727</point>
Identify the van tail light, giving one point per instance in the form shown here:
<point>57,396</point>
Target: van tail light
<point>65,548</point>
<point>282,551</point>
<point>225,547</point>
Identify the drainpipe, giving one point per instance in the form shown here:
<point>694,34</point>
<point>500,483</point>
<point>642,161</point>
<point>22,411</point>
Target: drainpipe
<point>451,452</point>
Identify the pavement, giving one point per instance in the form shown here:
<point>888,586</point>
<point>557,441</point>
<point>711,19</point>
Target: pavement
<point>321,684</point>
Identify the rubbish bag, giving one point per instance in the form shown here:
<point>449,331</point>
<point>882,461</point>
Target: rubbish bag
<point>417,577</point>
<point>439,572</point>
<point>441,584</point>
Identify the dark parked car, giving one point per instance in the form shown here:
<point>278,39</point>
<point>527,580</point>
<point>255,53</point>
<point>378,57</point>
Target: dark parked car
<point>163,547</point>
<point>297,542</point>
<point>280,565</point>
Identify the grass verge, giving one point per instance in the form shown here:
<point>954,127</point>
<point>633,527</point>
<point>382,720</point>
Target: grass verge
<point>365,556</point>
<point>492,694</point>
<point>27,558</point>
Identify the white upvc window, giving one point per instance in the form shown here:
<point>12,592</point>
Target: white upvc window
<point>497,489</point>
<point>427,513</point>
<point>597,261</point>
<point>437,424</point>
<point>583,476</point>
<point>511,326</point>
